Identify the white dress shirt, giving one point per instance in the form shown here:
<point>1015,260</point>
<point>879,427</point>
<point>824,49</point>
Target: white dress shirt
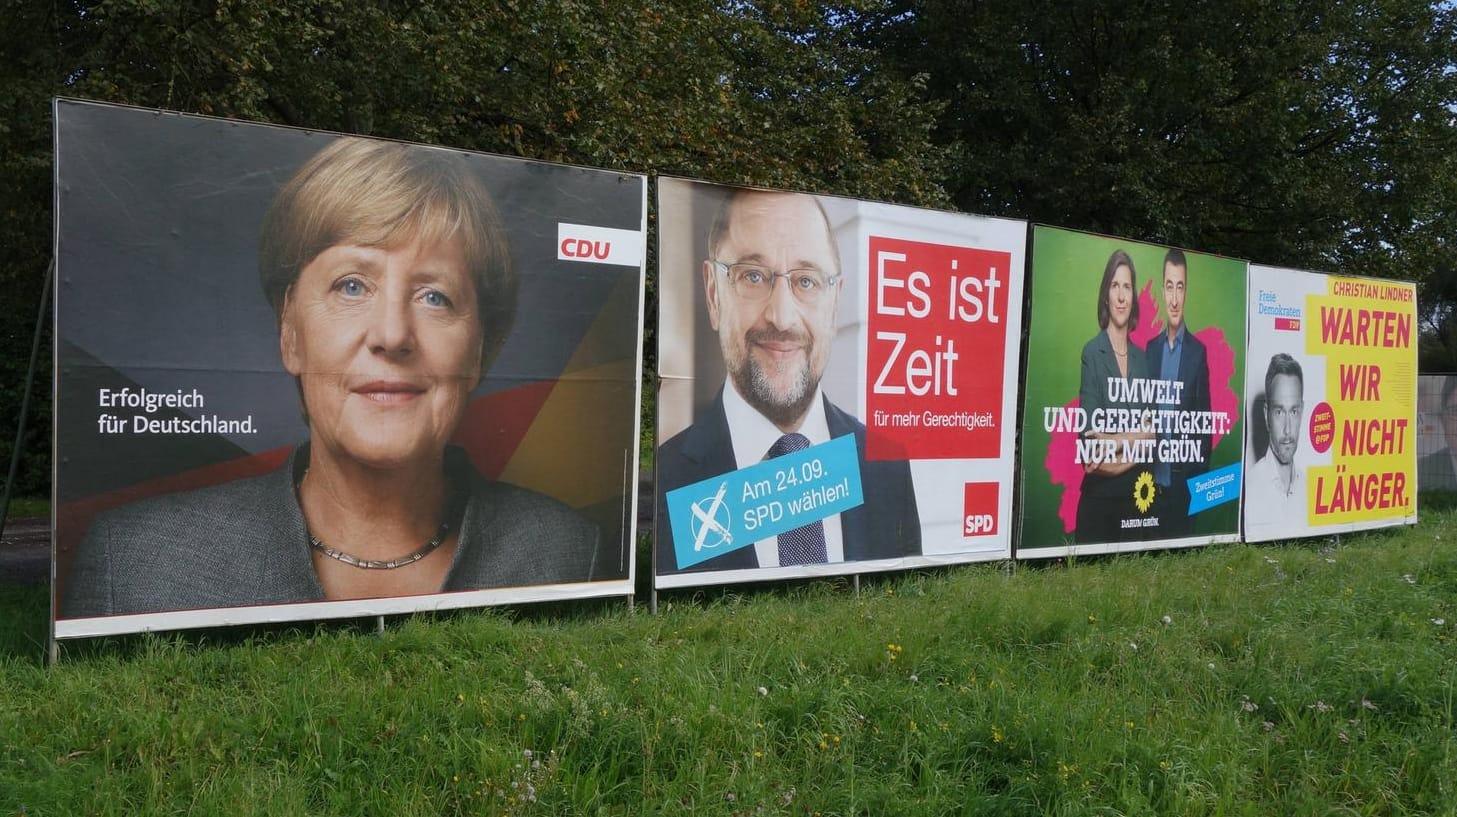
<point>1271,503</point>
<point>752,435</point>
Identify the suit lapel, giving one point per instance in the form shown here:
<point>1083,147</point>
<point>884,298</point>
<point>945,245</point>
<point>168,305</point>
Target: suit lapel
<point>710,448</point>
<point>286,567</point>
<point>708,445</point>
<point>1189,361</point>
<point>853,527</point>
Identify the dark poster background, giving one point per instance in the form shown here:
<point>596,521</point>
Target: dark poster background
<point>158,219</point>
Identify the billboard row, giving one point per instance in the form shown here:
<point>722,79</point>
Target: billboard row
<point>301,375</point>
<point>1132,420</point>
<point>1332,392</point>
<point>838,385</point>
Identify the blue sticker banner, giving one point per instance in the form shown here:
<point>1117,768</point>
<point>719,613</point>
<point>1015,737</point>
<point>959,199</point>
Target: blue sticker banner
<point>734,510</point>
<point>1215,487</point>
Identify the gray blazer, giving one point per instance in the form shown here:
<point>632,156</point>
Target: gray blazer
<point>244,542</point>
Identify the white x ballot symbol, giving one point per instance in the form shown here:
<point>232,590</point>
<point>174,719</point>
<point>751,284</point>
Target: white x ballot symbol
<point>709,521</point>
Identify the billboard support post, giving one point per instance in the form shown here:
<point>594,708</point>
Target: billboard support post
<point>40,320</point>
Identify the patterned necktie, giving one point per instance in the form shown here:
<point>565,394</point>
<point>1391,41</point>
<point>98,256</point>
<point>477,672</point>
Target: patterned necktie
<point>804,545</point>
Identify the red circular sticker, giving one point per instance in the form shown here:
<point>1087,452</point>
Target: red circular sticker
<point>1322,427</point>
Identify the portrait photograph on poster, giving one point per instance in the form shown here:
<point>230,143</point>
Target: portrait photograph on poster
<point>1332,394</point>
<point>837,385</point>
<point>1132,416</point>
<point>1437,432</point>
<point>304,375</point>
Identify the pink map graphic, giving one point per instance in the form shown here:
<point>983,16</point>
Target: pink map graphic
<point>1062,447</point>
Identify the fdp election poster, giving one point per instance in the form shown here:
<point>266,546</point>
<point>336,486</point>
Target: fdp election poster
<point>1332,389</point>
<point>838,385</point>
<point>304,375</point>
<point>1131,427</point>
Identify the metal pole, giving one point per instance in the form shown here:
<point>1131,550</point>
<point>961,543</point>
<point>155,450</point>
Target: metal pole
<point>40,319</point>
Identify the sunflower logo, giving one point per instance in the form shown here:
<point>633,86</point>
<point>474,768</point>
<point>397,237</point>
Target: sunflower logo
<point>1144,492</point>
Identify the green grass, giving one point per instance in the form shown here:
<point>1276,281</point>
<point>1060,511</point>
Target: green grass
<point>23,506</point>
<point>1313,678</point>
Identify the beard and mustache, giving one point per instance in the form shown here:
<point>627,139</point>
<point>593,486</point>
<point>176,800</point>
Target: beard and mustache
<point>783,404</point>
<point>1283,448</point>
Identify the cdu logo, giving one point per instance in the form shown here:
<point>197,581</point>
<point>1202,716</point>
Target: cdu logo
<point>710,524</point>
<point>582,248</point>
<point>598,245</point>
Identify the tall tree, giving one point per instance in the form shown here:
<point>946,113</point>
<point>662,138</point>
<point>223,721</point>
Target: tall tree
<point>1318,134</point>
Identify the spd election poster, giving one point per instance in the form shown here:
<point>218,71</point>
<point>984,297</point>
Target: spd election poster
<point>1131,426</point>
<point>304,375</point>
<point>1332,386</point>
<point>838,385</point>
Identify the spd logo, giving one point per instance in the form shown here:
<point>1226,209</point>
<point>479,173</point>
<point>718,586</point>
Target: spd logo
<point>979,511</point>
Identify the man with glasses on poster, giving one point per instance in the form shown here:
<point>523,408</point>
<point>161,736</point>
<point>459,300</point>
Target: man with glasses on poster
<point>1177,356</point>
<point>1438,471</point>
<point>773,282</point>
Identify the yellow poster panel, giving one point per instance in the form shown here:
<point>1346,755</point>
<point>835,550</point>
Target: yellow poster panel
<point>1366,331</point>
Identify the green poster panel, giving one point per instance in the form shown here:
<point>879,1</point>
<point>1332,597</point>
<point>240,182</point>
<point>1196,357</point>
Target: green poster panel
<point>1132,432</point>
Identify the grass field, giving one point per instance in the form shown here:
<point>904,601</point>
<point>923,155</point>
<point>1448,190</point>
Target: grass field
<point>1308,679</point>
<point>27,506</point>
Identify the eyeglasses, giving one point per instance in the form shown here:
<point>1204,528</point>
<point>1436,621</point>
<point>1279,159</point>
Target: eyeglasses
<point>755,282</point>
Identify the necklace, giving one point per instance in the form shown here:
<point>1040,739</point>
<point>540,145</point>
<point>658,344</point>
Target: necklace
<point>386,564</point>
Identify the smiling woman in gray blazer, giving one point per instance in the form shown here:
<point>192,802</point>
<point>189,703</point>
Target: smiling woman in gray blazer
<point>388,272</point>
<point>1107,495</point>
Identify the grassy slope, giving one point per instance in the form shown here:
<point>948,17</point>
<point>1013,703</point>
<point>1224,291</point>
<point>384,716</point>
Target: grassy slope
<point>1307,679</point>
<point>28,506</point>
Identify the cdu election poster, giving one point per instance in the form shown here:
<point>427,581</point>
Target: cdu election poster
<point>1131,427</point>
<point>303,375</point>
<point>1332,388</point>
<point>838,385</point>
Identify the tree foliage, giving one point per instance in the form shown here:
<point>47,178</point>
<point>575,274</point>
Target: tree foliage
<point>773,93</point>
<point>1318,134</point>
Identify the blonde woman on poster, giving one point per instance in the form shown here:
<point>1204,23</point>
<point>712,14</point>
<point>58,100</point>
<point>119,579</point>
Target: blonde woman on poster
<point>387,270</point>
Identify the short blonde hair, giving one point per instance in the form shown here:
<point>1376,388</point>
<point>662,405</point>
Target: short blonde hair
<point>382,194</point>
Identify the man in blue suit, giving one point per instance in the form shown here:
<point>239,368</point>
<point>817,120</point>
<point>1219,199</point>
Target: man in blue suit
<point>1176,355</point>
<point>772,282</point>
